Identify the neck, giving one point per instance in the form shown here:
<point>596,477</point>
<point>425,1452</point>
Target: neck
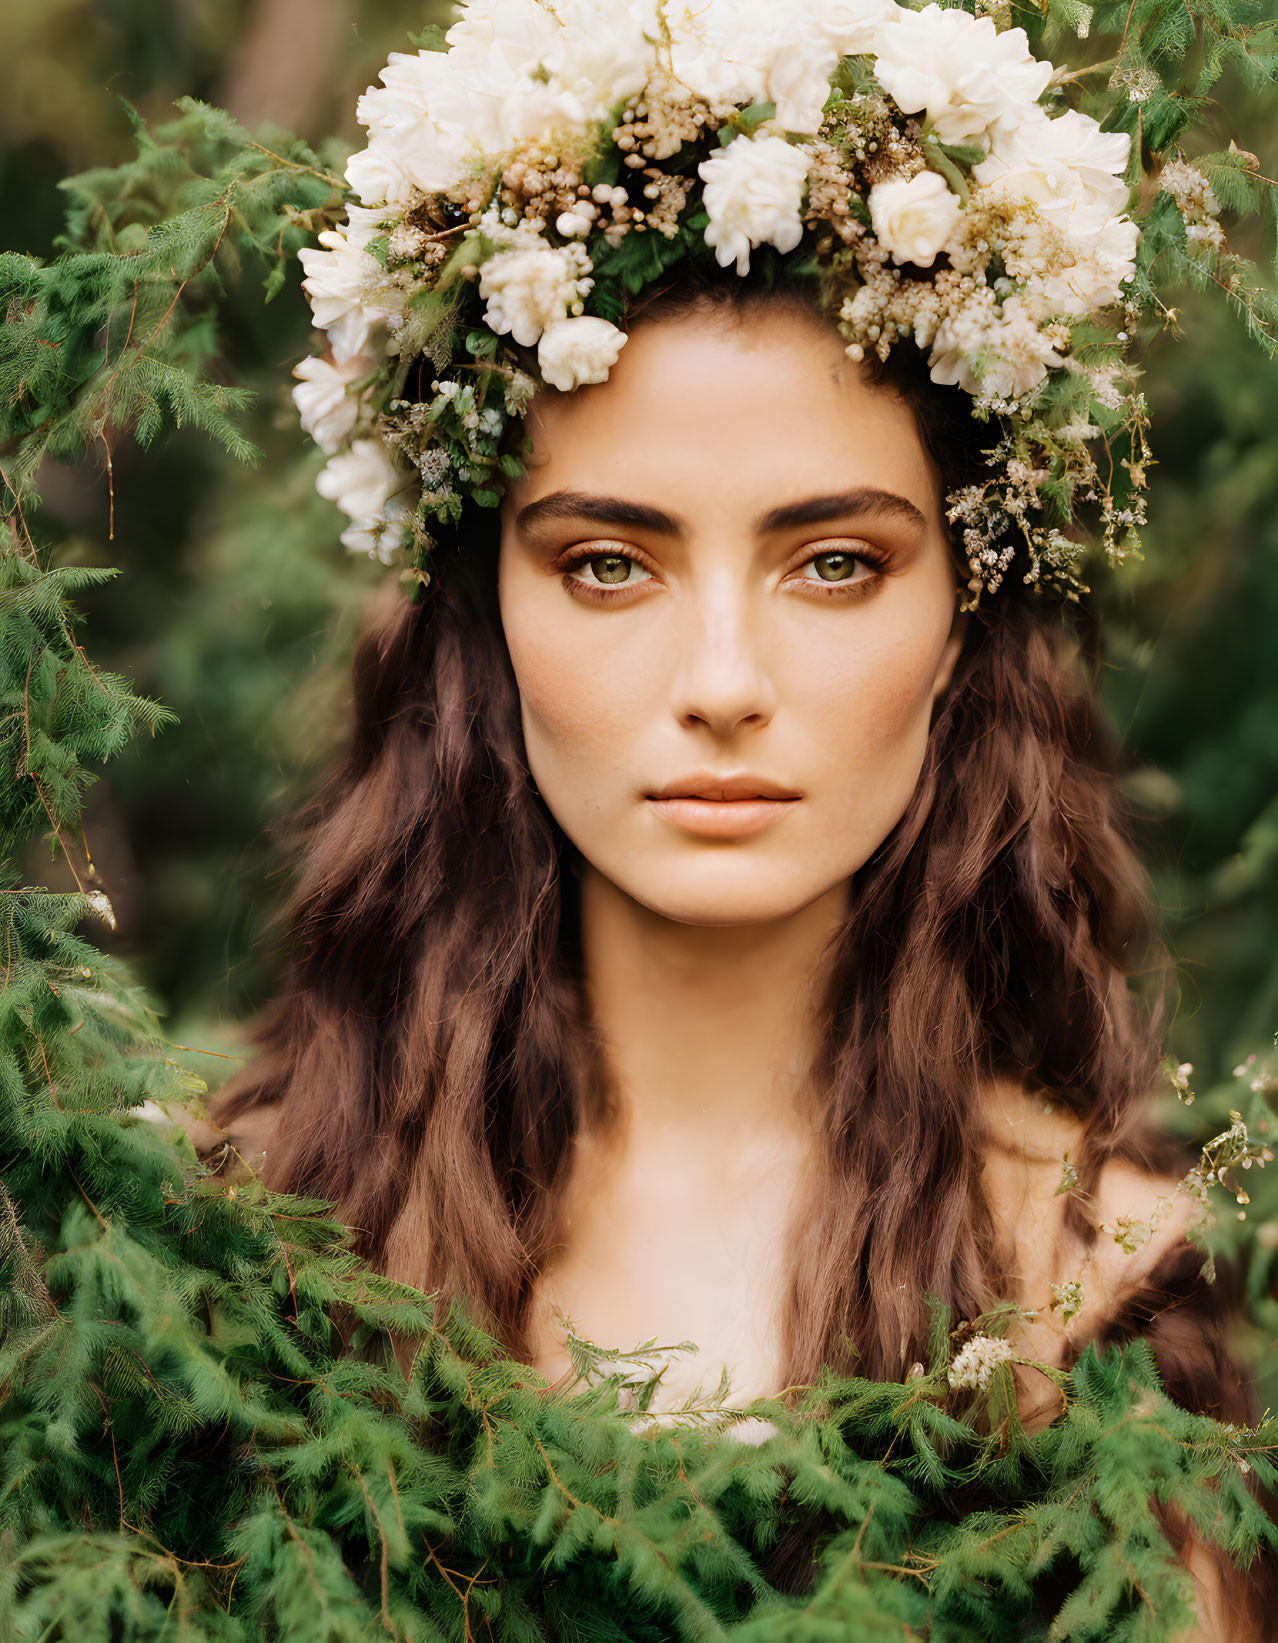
<point>707,1030</point>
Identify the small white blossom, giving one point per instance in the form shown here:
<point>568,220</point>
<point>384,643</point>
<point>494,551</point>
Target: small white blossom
<point>754,193</point>
<point>974,1364</point>
<point>579,350</point>
<point>1196,201</point>
<point>914,218</point>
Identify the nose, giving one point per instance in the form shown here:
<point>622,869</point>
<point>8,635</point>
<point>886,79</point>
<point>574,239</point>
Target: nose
<point>721,678</point>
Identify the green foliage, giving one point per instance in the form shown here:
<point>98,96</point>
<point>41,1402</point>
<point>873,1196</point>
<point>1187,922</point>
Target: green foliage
<point>119,334</point>
<point>183,1431</point>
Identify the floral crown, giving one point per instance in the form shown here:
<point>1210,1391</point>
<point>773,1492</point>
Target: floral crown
<point>532,172</point>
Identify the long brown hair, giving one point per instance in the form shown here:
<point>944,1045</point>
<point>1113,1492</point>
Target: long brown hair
<point>428,1059</point>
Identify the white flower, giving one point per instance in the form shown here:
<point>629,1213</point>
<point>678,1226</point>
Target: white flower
<point>1016,355</point>
<point>364,223</point>
<point>366,485</point>
<point>958,68</point>
<point>326,410</point>
<point>703,57</point>
<point>853,25</point>
<point>408,146</point>
<point>1069,167</point>
<point>528,288</point>
<point>914,218</point>
<point>515,70</point>
<point>579,350</point>
<point>1095,281</point>
<point>754,193</point>
<point>602,53</point>
<point>974,1364</point>
<point>348,292</point>
<point>753,51</point>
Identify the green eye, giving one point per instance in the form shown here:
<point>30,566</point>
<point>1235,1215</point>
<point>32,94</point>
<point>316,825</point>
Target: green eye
<point>834,567</point>
<point>610,570</point>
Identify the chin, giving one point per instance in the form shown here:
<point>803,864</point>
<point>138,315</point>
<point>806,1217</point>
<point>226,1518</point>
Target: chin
<point>723,892</point>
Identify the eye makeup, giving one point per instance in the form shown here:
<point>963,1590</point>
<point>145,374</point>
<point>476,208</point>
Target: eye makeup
<point>596,592</point>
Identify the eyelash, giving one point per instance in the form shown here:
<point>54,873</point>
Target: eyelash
<point>603,596</point>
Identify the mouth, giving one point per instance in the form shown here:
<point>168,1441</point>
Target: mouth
<point>723,807</point>
<point>726,789</point>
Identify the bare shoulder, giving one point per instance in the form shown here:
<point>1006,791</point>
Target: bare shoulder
<point>1074,1257</point>
<point>1103,1266</point>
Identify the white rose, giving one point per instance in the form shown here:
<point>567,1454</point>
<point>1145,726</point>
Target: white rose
<point>603,54</point>
<point>1096,280</point>
<point>755,51</point>
<point>701,56</point>
<point>375,175</point>
<point>1069,167</point>
<point>958,68</point>
<point>514,70</point>
<point>579,350</point>
<point>1016,354</point>
<point>853,25</point>
<point>327,411</point>
<point>348,292</point>
<point>799,81</point>
<point>914,218</point>
<point>366,485</point>
<point>408,146</point>
<point>527,289</point>
<point>754,193</point>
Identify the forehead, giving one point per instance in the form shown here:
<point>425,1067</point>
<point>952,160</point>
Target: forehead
<point>728,414</point>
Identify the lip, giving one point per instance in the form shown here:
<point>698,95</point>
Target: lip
<point>740,785</point>
<point>723,807</point>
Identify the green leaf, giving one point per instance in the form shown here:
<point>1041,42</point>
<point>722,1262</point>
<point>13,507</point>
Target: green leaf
<point>967,154</point>
<point>749,118</point>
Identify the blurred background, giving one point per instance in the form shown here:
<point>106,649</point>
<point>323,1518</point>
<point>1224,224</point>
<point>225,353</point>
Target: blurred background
<point>238,608</point>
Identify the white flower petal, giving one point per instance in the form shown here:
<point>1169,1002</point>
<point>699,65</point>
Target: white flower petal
<point>579,350</point>
<point>754,194</point>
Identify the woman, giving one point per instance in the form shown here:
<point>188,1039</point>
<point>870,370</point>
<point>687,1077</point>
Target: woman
<point>716,934</point>
<point>722,924</point>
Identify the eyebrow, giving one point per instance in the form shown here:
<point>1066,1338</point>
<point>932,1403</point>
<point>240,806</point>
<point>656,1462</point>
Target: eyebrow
<point>812,510</point>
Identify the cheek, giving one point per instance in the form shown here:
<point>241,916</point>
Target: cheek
<point>871,701</point>
<point>580,709</point>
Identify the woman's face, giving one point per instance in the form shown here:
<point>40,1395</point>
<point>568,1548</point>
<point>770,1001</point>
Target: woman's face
<point>725,576</point>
